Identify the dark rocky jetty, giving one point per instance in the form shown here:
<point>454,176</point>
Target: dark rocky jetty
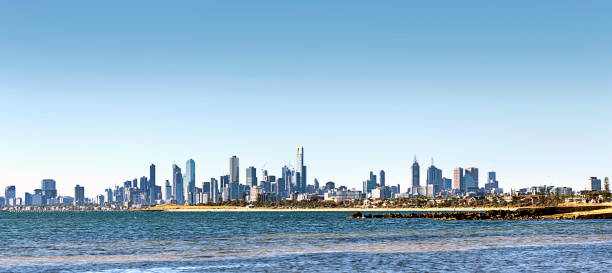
<point>518,214</point>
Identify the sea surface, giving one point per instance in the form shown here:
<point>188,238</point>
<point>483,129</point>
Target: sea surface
<point>295,242</point>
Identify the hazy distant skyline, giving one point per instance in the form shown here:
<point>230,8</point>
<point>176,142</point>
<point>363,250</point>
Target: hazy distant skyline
<point>93,93</point>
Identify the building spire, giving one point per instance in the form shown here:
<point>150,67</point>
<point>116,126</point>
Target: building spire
<point>415,158</point>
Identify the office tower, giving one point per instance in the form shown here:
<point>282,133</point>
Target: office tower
<point>205,187</point>
<point>100,199</point>
<point>492,182</point>
<point>472,186</point>
<point>109,195</point>
<point>382,178</point>
<point>144,185</point>
<point>48,188</point>
<point>448,184</point>
<point>153,194</point>
<point>135,183</point>
<point>127,184</point>
<point>214,190</point>
<point>416,178</point>
<point>370,184</point>
<point>79,195</point>
<point>593,184</point>
<point>251,176</point>
<point>168,192</point>
<point>286,176</point>
<point>458,180</point>
<point>179,190</point>
<point>9,195</point>
<point>316,185</point>
<point>189,180</point>
<point>234,169</point>
<point>28,199</point>
<point>434,177</point>
<point>300,170</point>
<point>224,181</point>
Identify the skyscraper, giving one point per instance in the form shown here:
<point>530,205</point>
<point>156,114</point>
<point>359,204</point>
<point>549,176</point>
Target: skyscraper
<point>458,180</point>
<point>189,179</point>
<point>48,188</point>
<point>382,178</point>
<point>9,195</point>
<point>472,186</point>
<point>416,178</point>
<point>300,170</point>
<point>168,192</point>
<point>434,177</point>
<point>178,191</point>
<point>251,176</point>
<point>152,194</point>
<point>287,177</point>
<point>214,190</point>
<point>79,195</point>
<point>234,169</point>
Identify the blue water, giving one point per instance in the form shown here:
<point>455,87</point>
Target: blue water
<point>294,242</point>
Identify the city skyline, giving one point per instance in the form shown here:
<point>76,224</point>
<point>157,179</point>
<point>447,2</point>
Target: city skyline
<point>522,91</point>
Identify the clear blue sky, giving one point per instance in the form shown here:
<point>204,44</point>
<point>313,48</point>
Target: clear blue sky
<point>93,92</point>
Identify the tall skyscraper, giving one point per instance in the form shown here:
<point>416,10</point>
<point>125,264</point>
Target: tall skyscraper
<point>214,190</point>
<point>251,176</point>
<point>48,188</point>
<point>152,194</point>
<point>178,191</point>
<point>287,179</point>
<point>234,169</point>
<point>382,178</point>
<point>472,186</point>
<point>458,180</point>
<point>109,195</point>
<point>416,177</point>
<point>9,195</point>
<point>434,177</point>
<point>189,179</point>
<point>79,195</point>
<point>168,192</point>
<point>301,169</point>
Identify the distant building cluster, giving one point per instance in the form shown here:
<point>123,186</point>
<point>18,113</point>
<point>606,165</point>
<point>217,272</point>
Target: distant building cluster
<point>291,184</point>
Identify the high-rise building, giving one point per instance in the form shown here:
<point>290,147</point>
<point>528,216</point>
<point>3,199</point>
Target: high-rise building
<point>152,195</point>
<point>434,177</point>
<point>593,184</point>
<point>472,186</point>
<point>370,184</point>
<point>458,180</point>
<point>109,195</point>
<point>168,192</point>
<point>251,176</point>
<point>492,182</point>
<point>300,170</point>
<point>178,191</point>
<point>234,166</point>
<point>381,177</point>
<point>287,177</point>
<point>416,177</point>
<point>144,184</point>
<point>27,199</point>
<point>48,188</point>
<point>9,195</point>
<point>189,179</point>
<point>448,184</point>
<point>214,190</point>
<point>79,195</point>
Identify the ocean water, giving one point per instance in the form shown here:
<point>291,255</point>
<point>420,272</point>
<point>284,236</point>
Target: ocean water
<point>295,242</point>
